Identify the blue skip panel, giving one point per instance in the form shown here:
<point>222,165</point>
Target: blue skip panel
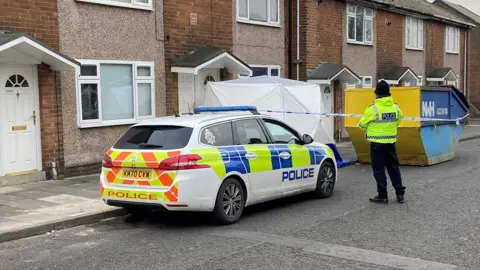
<point>440,141</point>
<point>443,103</point>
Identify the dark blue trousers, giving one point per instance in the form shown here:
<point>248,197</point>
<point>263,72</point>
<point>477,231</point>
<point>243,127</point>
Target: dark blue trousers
<point>385,155</point>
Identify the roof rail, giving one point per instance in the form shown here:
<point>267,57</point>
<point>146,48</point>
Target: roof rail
<point>252,109</point>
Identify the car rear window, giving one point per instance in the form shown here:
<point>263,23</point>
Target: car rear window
<point>155,137</point>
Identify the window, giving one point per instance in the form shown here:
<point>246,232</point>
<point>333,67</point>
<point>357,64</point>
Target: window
<point>265,12</point>
<point>360,25</point>
<point>420,80</point>
<point>249,132</point>
<point>115,92</point>
<point>414,33</point>
<point>367,81</point>
<point>261,70</point>
<point>140,4</point>
<point>452,40</point>
<point>350,85</point>
<point>155,137</point>
<point>280,133</point>
<point>217,135</point>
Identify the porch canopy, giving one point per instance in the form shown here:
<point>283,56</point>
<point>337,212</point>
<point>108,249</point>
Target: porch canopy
<point>209,57</point>
<point>326,73</point>
<point>442,74</point>
<point>398,75</point>
<point>19,48</point>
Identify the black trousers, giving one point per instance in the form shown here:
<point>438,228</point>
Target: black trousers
<point>385,155</point>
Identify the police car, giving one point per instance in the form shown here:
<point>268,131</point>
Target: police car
<point>220,160</point>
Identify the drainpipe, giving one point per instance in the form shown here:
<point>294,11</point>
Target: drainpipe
<point>298,40</point>
<point>290,32</point>
<point>465,66</point>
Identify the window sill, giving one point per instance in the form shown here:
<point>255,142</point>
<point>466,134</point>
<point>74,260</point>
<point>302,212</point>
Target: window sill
<point>273,25</point>
<point>453,53</point>
<point>359,43</point>
<point>117,4</point>
<point>109,124</point>
<point>414,49</point>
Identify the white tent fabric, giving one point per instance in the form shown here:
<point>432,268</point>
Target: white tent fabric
<point>270,93</point>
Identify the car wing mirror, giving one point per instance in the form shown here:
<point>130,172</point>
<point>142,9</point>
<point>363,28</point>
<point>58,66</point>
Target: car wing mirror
<point>307,139</point>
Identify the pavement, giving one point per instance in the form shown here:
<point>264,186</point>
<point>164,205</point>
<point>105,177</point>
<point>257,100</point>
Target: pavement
<point>48,206</point>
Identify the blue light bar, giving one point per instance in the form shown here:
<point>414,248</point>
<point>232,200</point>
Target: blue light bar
<point>225,109</point>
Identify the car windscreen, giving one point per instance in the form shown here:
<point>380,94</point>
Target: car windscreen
<point>155,137</point>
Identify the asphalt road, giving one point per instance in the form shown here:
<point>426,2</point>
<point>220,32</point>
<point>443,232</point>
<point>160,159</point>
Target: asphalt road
<point>437,228</point>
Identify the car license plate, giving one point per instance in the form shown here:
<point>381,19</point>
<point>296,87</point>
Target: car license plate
<point>136,174</point>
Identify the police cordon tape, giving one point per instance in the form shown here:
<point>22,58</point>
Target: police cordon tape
<point>408,118</point>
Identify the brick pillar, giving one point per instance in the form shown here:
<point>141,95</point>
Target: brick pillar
<point>51,122</point>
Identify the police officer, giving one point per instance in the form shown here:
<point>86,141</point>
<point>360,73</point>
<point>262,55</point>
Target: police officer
<point>380,121</point>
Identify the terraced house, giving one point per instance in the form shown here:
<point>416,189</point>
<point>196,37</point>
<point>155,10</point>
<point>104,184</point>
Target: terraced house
<point>473,53</point>
<point>356,43</point>
<point>30,94</point>
<point>219,40</point>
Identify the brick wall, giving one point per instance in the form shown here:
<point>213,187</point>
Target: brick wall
<point>39,19</point>
<point>213,27</point>
<point>390,42</point>
<point>434,46</point>
<point>474,71</point>
<point>320,34</point>
<point>35,17</point>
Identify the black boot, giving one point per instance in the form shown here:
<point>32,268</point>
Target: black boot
<point>379,199</point>
<point>401,198</point>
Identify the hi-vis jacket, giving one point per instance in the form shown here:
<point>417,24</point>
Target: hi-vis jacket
<point>381,120</point>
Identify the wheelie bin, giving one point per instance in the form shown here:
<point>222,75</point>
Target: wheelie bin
<point>418,142</point>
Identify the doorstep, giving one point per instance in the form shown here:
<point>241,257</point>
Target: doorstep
<point>20,179</point>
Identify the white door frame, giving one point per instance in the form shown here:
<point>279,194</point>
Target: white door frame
<point>36,94</point>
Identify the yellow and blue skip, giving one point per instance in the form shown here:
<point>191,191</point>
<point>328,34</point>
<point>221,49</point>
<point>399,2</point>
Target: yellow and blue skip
<point>268,157</point>
<point>419,142</point>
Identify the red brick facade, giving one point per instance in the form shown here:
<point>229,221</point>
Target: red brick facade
<point>434,46</point>
<point>390,40</point>
<point>474,71</point>
<point>320,34</point>
<point>213,27</point>
<point>38,18</point>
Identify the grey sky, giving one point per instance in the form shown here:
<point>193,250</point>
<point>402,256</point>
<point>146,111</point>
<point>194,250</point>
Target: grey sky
<point>472,5</point>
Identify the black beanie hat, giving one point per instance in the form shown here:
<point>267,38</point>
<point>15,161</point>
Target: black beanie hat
<point>383,89</point>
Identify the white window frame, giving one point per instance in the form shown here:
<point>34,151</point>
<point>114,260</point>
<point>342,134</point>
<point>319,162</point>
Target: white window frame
<point>365,19</point>
<point>136,4</point>
<point>365,85</point>
<point>415,25</point>
<point>269,19</point>
<point>96,80</point>
<point>350,85</point>
<point>452,33</point>
<point>269,72</point>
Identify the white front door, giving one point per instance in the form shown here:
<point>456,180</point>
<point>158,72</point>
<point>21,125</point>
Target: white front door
<point>18,118</point>
<point>204,75</point>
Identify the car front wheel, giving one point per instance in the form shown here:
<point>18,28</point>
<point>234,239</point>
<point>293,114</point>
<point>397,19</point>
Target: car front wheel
<point>230,202</point>
<point>326,180</point>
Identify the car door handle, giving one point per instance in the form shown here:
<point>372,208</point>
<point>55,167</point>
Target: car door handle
<point>250,155</point>
<point>285,155</point>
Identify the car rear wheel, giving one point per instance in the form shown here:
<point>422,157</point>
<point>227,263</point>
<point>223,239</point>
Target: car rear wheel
<point>230,202</point>
<point>326,180</point>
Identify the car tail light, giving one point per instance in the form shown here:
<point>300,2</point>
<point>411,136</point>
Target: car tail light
<point>183,162</point>
<point>107,162</point>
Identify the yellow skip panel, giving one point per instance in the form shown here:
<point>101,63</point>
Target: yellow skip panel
<point>408,98</point>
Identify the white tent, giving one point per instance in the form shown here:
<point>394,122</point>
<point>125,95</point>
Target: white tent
<point>271,93</point>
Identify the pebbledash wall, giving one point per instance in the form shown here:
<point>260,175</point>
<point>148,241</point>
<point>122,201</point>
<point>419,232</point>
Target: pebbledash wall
<point>103,32</point>
<point>42,24</point>
<point>260,45</point>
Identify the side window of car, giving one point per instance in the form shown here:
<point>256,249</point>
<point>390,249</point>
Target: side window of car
<point>280,133</point>
<point>250,132</point>
<point>217,135</point>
